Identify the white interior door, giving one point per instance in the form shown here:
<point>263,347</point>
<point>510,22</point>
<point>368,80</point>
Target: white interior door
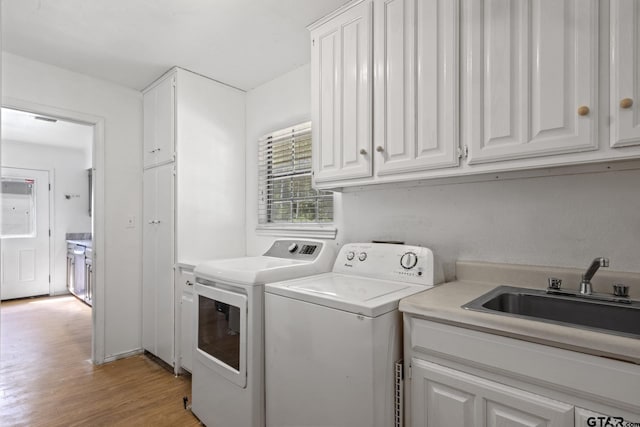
<point>25,233</point>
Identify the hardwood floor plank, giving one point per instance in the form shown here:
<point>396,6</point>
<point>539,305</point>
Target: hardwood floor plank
<point>47,379</point>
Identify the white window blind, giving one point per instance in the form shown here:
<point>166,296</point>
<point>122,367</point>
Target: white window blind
<point>285,194</point>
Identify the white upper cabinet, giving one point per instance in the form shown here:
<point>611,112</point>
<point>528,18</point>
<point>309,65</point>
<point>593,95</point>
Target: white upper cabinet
<point>532,74</point>
<point>625,72</point>
<point>159,135</point>
<point>416,85</point>
<point>342,94</point>
<point>407,90</point>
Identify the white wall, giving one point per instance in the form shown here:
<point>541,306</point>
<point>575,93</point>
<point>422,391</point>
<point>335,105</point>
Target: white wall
<point>558,220</point>
<point>280,103</point>
<point>121,109</point>
<point>67,175</point>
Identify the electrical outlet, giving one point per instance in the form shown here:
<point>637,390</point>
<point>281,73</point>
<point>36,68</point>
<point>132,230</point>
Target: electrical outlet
<point>131,222</point>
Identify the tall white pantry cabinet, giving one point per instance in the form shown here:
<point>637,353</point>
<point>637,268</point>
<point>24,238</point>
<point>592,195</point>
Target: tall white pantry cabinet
<point>193,203</point>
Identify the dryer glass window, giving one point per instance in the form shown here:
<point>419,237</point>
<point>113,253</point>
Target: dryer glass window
<point>219,331</point>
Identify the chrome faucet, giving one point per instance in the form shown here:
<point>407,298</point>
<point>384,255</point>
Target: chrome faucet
<point>585,284</point>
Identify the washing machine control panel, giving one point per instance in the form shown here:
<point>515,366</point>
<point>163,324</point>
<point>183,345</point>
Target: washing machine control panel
<point>387,261</point>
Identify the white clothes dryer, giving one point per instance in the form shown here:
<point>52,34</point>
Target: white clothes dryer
<point>332,340</point>
<point>228,353</point>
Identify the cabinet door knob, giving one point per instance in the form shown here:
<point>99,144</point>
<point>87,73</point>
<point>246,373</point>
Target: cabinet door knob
<point>626,103</point>
<point>583,111</point>
<point>363,151</point>
<point>379,148</point>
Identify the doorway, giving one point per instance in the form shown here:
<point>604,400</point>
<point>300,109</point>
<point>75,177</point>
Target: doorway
<point>75,190</point>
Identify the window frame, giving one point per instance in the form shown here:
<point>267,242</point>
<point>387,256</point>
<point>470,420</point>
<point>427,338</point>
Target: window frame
<point>265,226</point>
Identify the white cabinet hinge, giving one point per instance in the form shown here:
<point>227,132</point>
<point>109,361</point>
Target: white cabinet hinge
<point>463,152</point>
<point>408,372</point>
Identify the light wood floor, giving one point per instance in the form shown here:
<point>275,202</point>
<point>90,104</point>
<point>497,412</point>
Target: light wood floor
<point>47,379</point>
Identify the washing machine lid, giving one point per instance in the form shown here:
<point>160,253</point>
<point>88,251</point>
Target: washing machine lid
<point>360,295</point>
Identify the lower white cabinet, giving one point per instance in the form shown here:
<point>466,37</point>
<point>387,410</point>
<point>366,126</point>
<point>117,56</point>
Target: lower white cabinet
<point>446,397</point>
<point>465,378</point>
<point>185,283</point>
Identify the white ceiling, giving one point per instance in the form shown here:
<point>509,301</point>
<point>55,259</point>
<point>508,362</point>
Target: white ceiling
<point>243,43</point>
<point>23,127</point>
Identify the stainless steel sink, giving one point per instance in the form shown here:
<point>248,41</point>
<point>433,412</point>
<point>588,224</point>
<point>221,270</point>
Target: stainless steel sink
<point>620,318</point>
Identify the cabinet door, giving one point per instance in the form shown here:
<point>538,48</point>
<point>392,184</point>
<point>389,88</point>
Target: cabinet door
<point>184,286</point>
<point>159,121</point>
<point>442,396</point>
<point>187,330</point>
<point>157,281</point>
<point>165,300</point>
<point>341,95</point>
<point>531,78</point>
<point>416,85</point>
<point>625,73</point>
<point>149,258</point>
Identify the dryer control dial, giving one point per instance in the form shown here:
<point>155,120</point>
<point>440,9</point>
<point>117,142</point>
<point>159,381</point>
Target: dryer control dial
<point>351,255</point>
<point>292,247</point>
<point>408,260</point>
<point>362,256</point>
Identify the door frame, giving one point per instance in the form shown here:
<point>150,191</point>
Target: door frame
<point>50,216</point>
<point>98,211</point>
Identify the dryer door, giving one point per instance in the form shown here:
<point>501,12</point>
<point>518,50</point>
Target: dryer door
<point>221,332</point>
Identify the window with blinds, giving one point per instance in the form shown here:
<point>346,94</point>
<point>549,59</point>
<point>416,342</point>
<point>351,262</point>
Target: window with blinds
<point>285,194</point>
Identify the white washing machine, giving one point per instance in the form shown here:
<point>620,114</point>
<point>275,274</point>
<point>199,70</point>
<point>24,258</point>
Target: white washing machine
<point>332,340</point>
<point>228,354</point>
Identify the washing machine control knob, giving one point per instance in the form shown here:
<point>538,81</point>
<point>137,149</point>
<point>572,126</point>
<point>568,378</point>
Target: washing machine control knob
<point>350,255</point>
<point>362,256</point>
<point>408,260</point>
<point>292,247</point>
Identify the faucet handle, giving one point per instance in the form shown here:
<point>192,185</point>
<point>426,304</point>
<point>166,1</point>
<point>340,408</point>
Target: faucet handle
<point>621,290</point>
<point>554,283</point>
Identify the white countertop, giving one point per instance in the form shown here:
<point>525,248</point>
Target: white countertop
<point>444,304</point>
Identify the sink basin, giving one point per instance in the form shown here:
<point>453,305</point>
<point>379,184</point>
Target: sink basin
<point>569,310</point>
